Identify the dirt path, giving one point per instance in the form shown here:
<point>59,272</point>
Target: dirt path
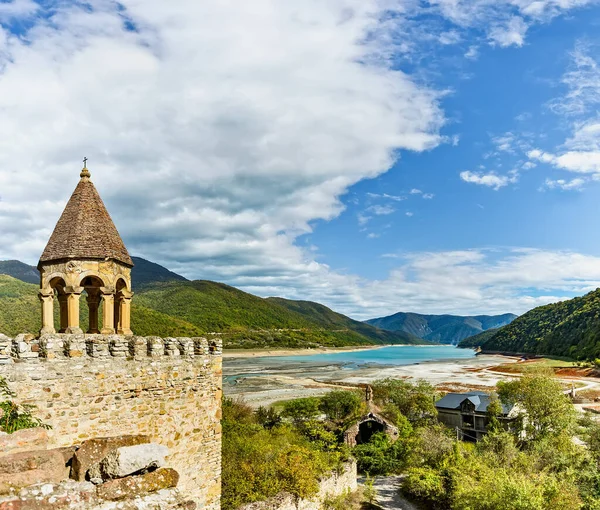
<point>388,497</point>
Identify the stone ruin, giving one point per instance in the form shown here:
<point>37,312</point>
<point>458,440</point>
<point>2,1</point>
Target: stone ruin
<point>93,475</point>
<point>165,391</point>
<point>117,404</point>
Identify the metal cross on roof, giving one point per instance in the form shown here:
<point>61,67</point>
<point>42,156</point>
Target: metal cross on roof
<point>85,162</point>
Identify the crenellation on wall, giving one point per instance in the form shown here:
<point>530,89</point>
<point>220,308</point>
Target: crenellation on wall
<point>89,386</point>
<point>62,346</point>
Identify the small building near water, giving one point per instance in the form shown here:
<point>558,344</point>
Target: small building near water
<point>467,413</point>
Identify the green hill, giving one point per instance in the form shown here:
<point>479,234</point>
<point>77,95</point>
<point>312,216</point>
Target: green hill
<point>479,339</point>
<point>444,329</point>
<point>248,320</point>
<point>569,328</point>
<point>178,307</point>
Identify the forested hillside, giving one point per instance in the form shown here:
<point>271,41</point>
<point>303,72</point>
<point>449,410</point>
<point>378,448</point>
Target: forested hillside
<point>479,339</point>
<point>166,304</point>
<point>569,328</point>
<point>445,329</point>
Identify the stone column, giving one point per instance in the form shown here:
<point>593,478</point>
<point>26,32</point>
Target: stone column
<point>64,313</point>
<point>108,312</point>
<point>93,301</point>
<point>124,326</point>
<point>47,300</point>
<point>73,295</point>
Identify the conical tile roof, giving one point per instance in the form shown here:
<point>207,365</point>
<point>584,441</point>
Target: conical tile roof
<point>85,230</point>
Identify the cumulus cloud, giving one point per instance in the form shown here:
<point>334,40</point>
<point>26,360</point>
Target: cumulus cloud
<point>477,281</point>
<point>491,180</point>
<point>218,135</point>
<point>215,134</point>
<point>580,154</point>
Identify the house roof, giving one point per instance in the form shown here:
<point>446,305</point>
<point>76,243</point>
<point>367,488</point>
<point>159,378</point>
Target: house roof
<point>479,399</point>
<point>85,230</point>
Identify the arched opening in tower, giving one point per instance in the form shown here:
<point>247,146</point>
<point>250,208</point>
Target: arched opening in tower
<point>60,315</point>
<point>91,286</point>
<point>120,290</point>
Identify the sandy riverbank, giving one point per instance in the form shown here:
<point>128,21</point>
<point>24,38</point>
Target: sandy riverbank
<point>264,381</point>
<point>258,353</point>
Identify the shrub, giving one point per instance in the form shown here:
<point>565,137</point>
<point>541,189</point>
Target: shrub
<point>15,417</point>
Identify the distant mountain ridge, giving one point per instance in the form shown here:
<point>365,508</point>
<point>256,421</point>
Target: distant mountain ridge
<point>167,304</point>
<point>569,328</point>
<point>444,329</point>
<point>143,273</point>
<point>20,271</point>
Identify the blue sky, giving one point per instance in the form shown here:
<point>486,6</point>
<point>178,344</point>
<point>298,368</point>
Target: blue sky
<point>502,96</point>
<point>436,156</point>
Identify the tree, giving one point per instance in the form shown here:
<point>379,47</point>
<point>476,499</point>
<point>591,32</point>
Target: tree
<point>301,409</point>
<point>415,400</point>
<point>494,410</point>
<point>547,409</point>
<point>340,405</point>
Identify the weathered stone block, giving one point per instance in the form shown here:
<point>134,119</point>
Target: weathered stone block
<point>23,440</point>
<point>133,486</point>
<point>28,468</point>
<point>156,346</point>
<point>93,451</point>
<point>127,460</point>
<point>200,346</point>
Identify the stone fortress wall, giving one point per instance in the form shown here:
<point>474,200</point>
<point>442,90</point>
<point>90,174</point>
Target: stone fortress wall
<point>89,386</point>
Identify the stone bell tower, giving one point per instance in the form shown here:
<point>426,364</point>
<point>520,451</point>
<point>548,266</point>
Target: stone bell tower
<point>86,253</point>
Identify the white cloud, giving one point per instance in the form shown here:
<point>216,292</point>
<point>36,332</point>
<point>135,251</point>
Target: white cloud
<point>450,37</point>
<point>409,214</point>
<point>522,117</point>
<point>505,142</point>
<point>17,9</point>
<point>582,81</point>
<point>216,133</point>
<point>372,235</point>
<point>510,33</point>
<point>415,191</point>
<point>385,195</point>
<point>472,53</point>
<point>572,185</point>
<point>504,22</point>
<point>582,154</point>
<point>490,180</point>
<point>477,281</point>
<point>381,210</point>
<point>428,196</point>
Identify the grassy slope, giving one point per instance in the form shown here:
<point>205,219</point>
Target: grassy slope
<point>570,328</point>
<point>182,308</point>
